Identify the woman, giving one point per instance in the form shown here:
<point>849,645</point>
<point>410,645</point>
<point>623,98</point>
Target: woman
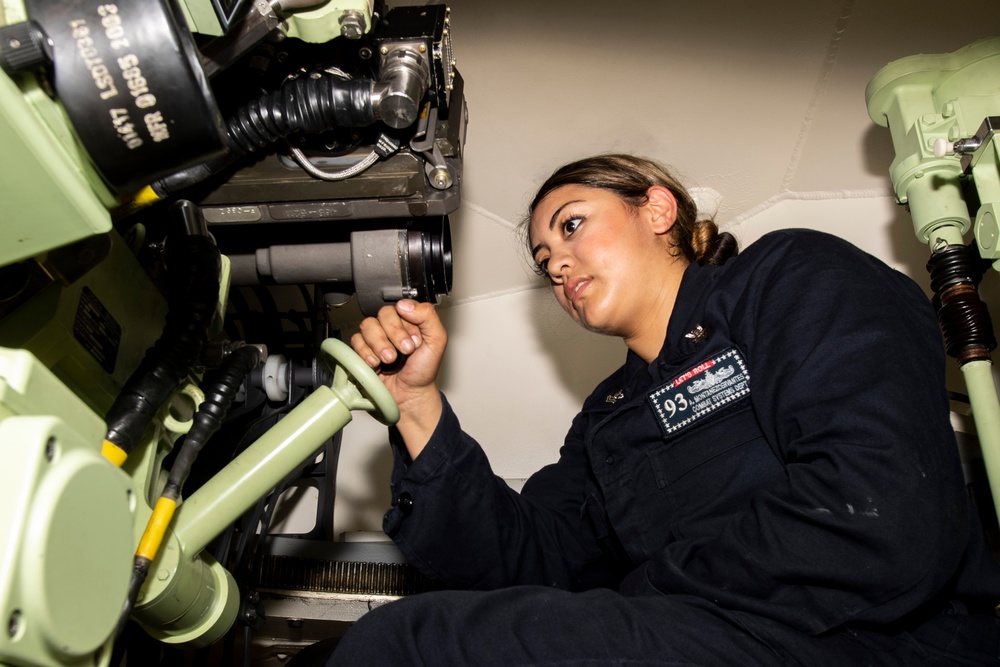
<point>770,478</point>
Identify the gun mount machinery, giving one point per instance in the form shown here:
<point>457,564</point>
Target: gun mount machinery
<point>178,173</point>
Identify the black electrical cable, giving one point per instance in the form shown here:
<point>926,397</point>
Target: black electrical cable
<point>964,317</point>
<point>138,576</point>
<point>194,267</point>
<point>220,388</point>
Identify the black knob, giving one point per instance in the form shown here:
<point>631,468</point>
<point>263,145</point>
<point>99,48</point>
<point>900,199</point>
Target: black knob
<point>24,46</point>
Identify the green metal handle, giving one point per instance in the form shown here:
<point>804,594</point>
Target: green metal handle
<point>192,599</point>
<point>372,396</point>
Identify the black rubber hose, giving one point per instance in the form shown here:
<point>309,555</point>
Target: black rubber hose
<point>220,388</point>
<point>300,105</point>
<point>194,267</point>
<point>963,316</point>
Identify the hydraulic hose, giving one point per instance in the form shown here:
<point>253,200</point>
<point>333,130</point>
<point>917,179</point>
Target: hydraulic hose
<point>300,105</point>
<point>194,267</point>
<point>956,271</point>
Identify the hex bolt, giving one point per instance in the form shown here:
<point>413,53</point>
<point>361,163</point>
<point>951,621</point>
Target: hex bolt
<point>352,24</point>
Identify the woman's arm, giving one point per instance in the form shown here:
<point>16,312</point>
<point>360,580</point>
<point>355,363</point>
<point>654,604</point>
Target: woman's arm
<point>459,523</point>
<point>415,331</point>
<point>451,516</point>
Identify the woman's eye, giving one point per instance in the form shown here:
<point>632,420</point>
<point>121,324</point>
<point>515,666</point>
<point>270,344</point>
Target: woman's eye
<point>542,267</point>
<point>571,225</point>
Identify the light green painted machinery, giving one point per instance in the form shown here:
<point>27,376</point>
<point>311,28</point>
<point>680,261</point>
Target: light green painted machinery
<point>73,518</point>
<point>168,164</point>
<point>944,112</point>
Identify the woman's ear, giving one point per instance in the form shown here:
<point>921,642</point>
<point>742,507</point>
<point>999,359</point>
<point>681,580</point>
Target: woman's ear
<point>661,209</point>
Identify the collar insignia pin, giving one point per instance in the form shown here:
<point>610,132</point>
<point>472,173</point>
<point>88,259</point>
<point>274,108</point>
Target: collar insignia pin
<point>697,334</point>
<point>614,398</point>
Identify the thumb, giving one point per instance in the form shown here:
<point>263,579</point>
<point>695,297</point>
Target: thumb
<point>427,327</point>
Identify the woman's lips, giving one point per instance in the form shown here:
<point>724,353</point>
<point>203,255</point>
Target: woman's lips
<point>574,288</point>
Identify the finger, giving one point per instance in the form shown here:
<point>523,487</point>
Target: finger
<point>397,331</point>
<point>393,367</point>
<point>423,320</point>
<point>378,337</point>
<point>364,350</point>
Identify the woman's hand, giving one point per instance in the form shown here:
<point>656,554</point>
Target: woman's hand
<point>405,344</point>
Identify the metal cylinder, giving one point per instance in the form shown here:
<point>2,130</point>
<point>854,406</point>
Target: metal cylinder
<point>308,264</point>
<point>383,265</point>
<point>129,77</point>
<point>404,79</point>
<point>187,601</point>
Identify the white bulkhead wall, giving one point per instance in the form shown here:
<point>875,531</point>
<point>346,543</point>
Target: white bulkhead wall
<point>762,103</point>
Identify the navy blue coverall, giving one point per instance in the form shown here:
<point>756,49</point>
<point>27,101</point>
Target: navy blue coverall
<point>780,486</point>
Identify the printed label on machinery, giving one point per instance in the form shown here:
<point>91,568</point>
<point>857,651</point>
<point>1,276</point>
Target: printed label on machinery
<point>96,329</point>
<point>701,390</point>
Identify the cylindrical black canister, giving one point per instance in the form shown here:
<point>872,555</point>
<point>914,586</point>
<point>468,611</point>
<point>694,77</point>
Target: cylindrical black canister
<point>128,74</point>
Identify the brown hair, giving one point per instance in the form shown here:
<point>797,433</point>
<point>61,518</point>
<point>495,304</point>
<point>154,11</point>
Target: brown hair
<point>630,177</point>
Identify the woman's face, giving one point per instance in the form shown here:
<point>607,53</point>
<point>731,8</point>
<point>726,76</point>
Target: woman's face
<point>607,263</point>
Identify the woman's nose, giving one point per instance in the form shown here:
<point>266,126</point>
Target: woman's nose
<point>559,262</point>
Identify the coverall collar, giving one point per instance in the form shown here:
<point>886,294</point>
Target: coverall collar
<point>688,309</point>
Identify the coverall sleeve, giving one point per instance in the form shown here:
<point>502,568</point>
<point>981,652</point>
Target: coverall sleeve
<point>871,518</point>
<point>461,524</point>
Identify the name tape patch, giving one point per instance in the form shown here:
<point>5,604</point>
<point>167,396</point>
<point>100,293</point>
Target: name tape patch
<point>700,391</point>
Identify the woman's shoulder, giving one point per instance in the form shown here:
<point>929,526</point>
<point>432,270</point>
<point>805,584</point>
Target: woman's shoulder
<point>799,240</point>
<point>804,251</point>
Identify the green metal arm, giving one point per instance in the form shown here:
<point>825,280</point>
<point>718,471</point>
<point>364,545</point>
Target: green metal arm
<point>189,598</point>
<point>929,101</point>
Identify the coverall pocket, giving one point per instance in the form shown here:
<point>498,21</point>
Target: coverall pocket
<point>680,455</point>
<point>710,474</point>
